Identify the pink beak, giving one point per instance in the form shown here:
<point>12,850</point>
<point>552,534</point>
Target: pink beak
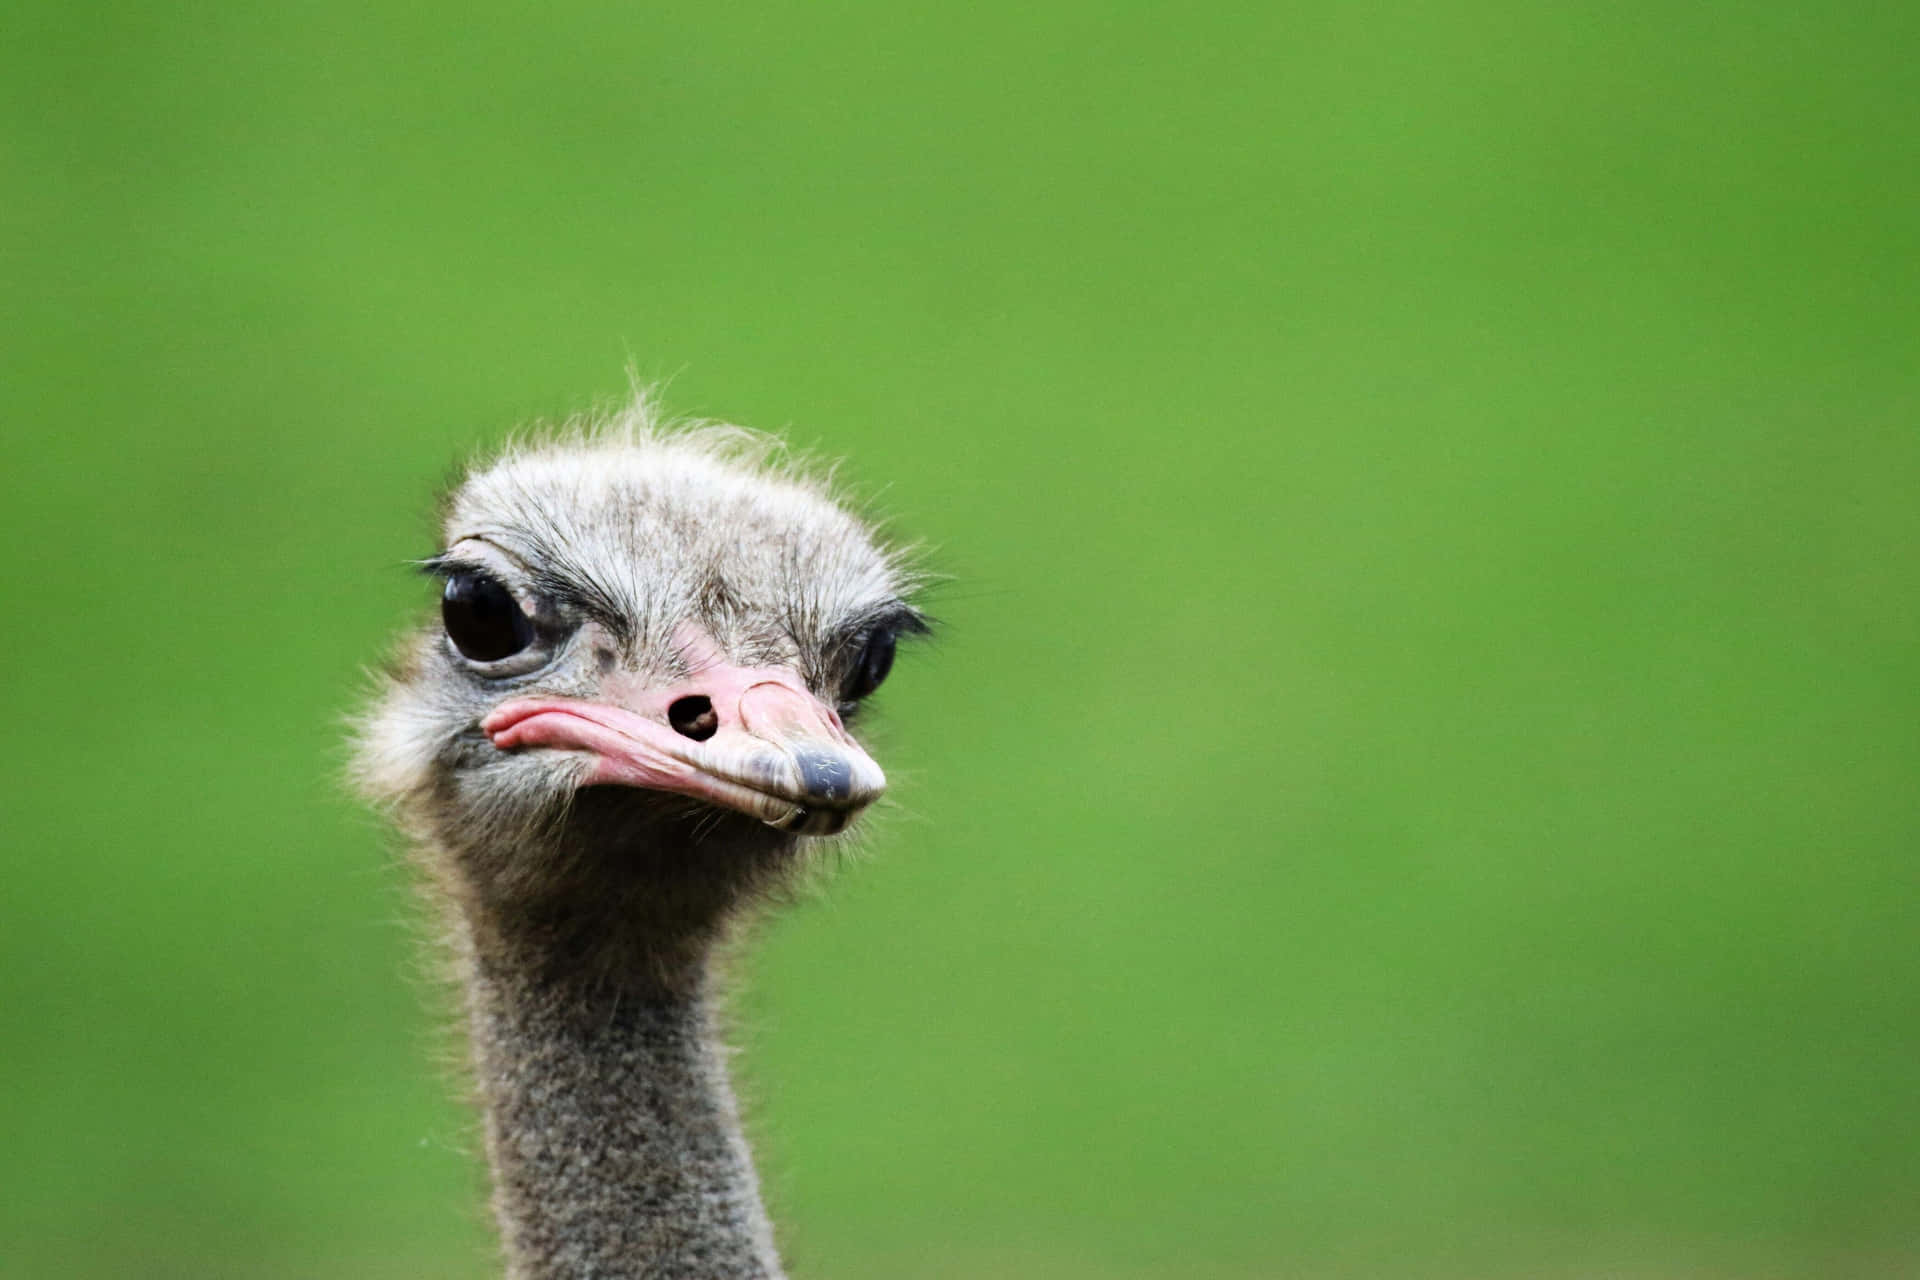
<point>751,739</point>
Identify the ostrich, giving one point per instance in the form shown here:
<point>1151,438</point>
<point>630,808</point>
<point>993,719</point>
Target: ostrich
<point>627,725</point>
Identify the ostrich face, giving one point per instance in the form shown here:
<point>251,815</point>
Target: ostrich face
<point>640,637</point>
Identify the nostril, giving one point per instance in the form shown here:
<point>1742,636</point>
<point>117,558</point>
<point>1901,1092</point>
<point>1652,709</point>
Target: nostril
<point>693,717</point>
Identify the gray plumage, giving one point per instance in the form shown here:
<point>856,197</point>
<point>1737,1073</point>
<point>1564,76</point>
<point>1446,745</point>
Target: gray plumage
<point>650,568</point>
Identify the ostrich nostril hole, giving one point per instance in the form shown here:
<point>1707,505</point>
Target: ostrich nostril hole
<point>693,717</point>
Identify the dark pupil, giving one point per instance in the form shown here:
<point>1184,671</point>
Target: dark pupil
<point>482,619</point>
<point>876,659</point>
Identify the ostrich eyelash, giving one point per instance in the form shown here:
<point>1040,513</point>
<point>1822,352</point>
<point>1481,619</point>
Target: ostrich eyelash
<point>901,619</point>
<point>442,565</point>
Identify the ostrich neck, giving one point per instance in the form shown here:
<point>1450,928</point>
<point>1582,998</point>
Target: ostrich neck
<point>614,1136</point>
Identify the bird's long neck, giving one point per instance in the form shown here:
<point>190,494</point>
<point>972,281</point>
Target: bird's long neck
<point>613,1133</point>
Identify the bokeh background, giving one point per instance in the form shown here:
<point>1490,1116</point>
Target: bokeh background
<point>1418,779</point>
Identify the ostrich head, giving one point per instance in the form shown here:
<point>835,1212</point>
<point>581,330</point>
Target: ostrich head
<point>631,711</point>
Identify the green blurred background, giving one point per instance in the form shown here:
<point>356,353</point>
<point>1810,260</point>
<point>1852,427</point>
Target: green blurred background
<point>1419,775</point>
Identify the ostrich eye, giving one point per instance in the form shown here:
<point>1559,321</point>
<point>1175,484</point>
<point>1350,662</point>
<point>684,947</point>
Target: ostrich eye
<point>482,618</point>
<point>871,667</point>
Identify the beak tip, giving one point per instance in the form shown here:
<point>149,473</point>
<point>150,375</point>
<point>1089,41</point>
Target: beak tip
<point>827,775</point>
